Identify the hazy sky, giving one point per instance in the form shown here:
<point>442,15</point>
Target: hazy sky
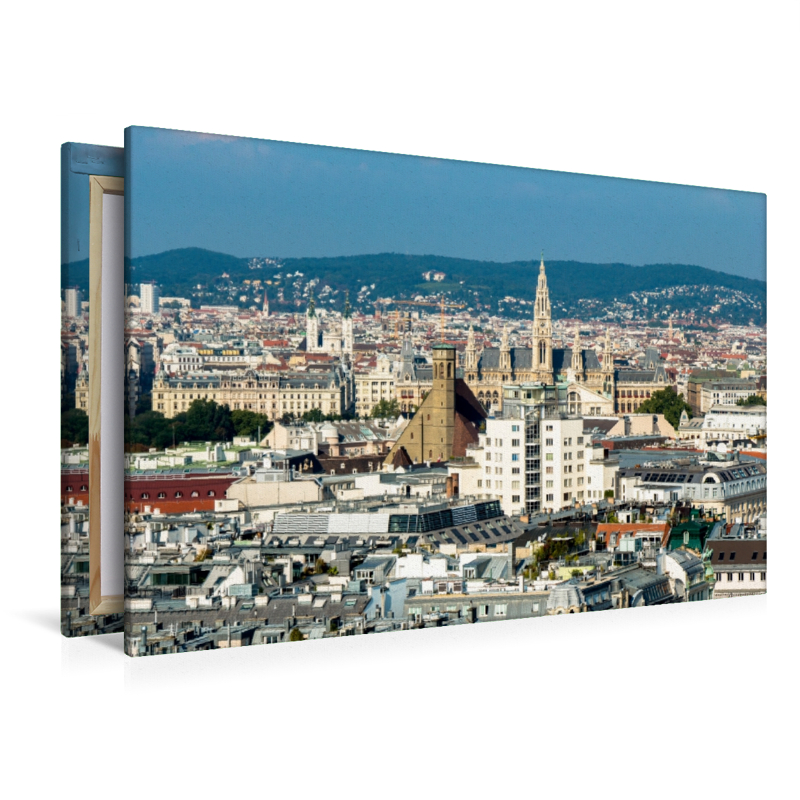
<point>251,197</point>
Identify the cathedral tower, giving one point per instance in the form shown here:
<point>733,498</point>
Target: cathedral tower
<point>542,340</point>
<point>505,354</point>
<point>312,328</point>
<point>470,354</point>
<point>347,327</point>
<point>576,367</point>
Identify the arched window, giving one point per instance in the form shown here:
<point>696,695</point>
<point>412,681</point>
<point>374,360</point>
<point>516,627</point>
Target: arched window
<point>211,493</point>
<point>195,494</point>
<point>162,495</point>
<point>145,496</point>
<point>449,370</point>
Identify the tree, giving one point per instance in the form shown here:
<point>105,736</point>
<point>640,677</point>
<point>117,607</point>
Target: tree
<point>75,426</point>
<point>667,402</point>
<point>752,400</point>
<point>149,429</point>
<point>247,423</point>
<point>207,421</point>
<point>313,415</point>
<point>321,567</point>
<point>385,408</point>
<point>296,635</point>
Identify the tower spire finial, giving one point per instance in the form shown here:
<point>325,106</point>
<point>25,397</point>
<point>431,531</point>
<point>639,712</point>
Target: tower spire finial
<point>541,265</point>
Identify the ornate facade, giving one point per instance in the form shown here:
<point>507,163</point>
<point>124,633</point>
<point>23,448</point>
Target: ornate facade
<point>488,370</point>
<point>270,393</point>
<point>331,342</point>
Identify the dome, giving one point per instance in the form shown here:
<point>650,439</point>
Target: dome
<point>564,598</point>
<point>328,431</point>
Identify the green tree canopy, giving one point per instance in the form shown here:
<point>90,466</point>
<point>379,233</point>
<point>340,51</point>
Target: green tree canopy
<point>207,420</point>
<point>667,402</point>
<point>75,426</point>
<point>385,408</point>
<point>752,400</point>
<point>203,421</point>
<point>296,635</point>
<point>247,423</point>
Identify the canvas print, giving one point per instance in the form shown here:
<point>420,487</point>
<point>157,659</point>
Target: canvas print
<point>88,172</point>
<point>370,393</point>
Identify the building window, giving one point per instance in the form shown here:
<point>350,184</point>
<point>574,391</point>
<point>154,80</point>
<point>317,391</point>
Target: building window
<point>483,611</point>
<point>500,610</point>
<point>548,456</point>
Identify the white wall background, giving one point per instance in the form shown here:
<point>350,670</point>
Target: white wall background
<point>700,93</point>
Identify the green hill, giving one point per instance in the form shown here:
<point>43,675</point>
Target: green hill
<point>476,283</point>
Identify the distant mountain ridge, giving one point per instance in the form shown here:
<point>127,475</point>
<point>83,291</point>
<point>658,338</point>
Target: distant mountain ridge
<point>180,272</point>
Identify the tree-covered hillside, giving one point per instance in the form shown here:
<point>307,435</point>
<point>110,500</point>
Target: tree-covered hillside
<point>209,277</point>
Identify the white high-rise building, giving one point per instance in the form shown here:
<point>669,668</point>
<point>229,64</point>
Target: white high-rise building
<point>73,298</point>
<point>535,456</point>
<point>149,298</point>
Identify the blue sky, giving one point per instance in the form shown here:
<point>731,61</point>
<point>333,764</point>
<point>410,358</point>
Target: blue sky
<point>251,197</point>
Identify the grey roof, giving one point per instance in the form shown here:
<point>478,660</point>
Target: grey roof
<point>522,359</point>
<point>640,375</point>
<point>565,595</point>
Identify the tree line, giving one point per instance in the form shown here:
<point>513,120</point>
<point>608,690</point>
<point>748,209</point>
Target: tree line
<point>204,420</point>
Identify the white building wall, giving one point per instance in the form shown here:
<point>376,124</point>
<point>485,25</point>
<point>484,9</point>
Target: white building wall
<point>149,296</point>
<point>503,462</point>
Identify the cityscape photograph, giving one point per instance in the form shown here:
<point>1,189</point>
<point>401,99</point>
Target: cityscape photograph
<point>361,397</point>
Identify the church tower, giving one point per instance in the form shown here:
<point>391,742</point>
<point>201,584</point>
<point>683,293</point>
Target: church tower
<point>576,367</point>
<point>470,354</point>
<point>312,327</point>
<point>505,356</point>
<point>608,367</point>
<point>265,309</point>
<point>542,340</point>
<point>347,328</point>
